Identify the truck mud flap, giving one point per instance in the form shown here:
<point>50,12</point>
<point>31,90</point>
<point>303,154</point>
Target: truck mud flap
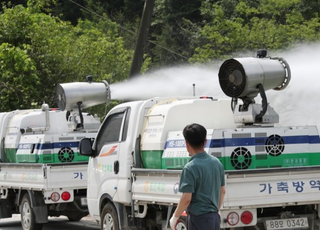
<point>41,214</point>
<point>5,209</point>
<point>39,207</point>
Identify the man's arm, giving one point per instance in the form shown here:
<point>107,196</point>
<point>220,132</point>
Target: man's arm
<point>222,194</point>
<point>184,202</point>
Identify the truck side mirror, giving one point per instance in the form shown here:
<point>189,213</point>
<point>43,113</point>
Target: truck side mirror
<point>85,147</point>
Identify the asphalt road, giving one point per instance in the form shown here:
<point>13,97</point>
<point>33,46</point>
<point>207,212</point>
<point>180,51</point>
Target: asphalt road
<point>61,223</point>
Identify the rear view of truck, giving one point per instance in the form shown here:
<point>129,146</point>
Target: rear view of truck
<point>42,173</point>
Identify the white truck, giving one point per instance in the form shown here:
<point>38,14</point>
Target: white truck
<point>42,173</point>
<point>272,172</point>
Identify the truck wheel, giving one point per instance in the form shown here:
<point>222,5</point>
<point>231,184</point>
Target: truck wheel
<point>109,218</point>
<point>182,223</point>
<point>27,216</point>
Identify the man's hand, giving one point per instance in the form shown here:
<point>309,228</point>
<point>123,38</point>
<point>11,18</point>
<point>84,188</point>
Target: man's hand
<point>173,222</point>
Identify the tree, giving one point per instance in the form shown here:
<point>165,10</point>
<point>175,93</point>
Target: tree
<point>18,78</point>
<point>269,24</point>
<point>171,31</point>
<point>55,52</point>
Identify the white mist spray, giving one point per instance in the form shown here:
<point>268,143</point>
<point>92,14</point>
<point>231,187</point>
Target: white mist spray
<point>296,105</point>
<point>174,81</point>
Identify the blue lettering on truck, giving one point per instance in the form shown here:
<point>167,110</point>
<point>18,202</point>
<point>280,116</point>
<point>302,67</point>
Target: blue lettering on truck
<point>283,186</point>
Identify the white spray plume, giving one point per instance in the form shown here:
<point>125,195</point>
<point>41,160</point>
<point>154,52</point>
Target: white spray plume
<point>173,81</point>
<point>297,104</point>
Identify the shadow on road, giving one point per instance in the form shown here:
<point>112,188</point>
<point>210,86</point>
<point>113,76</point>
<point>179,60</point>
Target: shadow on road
<point>61,223</point>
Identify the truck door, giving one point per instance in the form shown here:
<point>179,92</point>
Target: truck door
<point>107,145</point>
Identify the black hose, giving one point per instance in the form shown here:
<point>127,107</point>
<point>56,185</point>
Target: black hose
<point>259,116</point>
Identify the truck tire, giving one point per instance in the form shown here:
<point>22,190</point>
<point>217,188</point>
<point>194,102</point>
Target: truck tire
<point>28,221</point>
<point>109,218</point>
<point>182,223</point>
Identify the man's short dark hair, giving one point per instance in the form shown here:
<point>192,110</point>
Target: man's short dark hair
<point>195,135</point>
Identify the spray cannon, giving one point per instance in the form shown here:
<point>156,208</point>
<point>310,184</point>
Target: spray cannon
<point>245,78</point>
<point>75,96</point>
<point>82,95</point>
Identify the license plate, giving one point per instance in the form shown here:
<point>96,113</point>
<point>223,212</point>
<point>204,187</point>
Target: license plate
<point>84,202</point>
<point>293,223</point>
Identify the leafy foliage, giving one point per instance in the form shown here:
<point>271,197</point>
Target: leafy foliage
<point>18,78</point>
<point>49,51</point>
<point>269,24</point>
<point>171,27</point>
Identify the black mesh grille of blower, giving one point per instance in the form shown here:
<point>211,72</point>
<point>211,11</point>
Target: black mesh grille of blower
<point>232,78</point>
<point>61,98</point>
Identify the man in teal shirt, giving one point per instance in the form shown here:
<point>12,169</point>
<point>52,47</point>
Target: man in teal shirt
<point>202,184</point>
